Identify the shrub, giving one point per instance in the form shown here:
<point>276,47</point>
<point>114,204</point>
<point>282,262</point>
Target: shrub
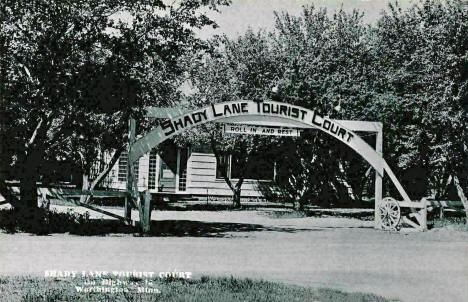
<point>42,222</point>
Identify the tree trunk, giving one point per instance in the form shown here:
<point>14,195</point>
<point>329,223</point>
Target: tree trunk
<point>236,190</point>
<point>236,199</point>
<point>28,183</point>
<point>462,196</point>
<point>31,159</point>
<point>85,186</point>
<point>30,216</point>
<point>4,190</point>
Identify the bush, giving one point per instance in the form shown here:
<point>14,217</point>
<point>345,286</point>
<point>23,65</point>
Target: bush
<point>42,222</point>
<point>27,220</point>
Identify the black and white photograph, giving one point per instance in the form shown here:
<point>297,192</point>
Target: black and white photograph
<point>233,150</point>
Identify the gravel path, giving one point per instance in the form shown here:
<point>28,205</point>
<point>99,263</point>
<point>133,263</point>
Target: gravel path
<point>318,252</point>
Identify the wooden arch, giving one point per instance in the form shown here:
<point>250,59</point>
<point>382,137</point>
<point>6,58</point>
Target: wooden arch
<point>264,113</point>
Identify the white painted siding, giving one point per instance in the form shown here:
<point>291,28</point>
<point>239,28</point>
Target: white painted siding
<point>143,166</point>
<point>201,177</point>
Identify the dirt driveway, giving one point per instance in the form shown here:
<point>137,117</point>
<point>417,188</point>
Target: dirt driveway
<point>318,252</point>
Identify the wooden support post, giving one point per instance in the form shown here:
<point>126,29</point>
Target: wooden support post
<point>378,179</point>
<point>423,213</point>
<point>441,212</point>
<point>131,182</point>
<point>145,212</point>
<point>177,176</point>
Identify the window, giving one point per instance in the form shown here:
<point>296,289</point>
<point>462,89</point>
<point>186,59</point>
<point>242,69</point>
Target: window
<point>183,157</point>
<point>123,160</point>
<point>152,169</point>
<point>223,164</point>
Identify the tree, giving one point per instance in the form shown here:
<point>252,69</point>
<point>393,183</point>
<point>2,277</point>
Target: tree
<point>72,74</point>
<point>39,58</point>
<point>242,68</point>
<point>326,63</point>
<point>423,58</point>
<point>408,71</point>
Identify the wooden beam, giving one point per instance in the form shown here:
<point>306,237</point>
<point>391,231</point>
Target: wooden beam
<point>433,203</point>
<point>378,193</point>
<point>411,223</point>
<point>396,183</point>
<point>54,192</point>
<point>308,118</point>
<point>96,209</point>
<point>131,182</point>
<point>411,204</point>
<point>446,203</point>
<point>78,193</point>
<point>101,211</point>
<point>171,112</point>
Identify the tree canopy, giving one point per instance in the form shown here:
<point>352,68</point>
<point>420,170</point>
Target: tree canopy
<point>409,71</point>
<point>72,73</point>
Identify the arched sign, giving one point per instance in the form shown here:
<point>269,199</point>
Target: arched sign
<point>269,112</point>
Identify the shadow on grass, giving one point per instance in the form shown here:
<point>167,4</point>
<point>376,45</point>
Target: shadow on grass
<point>210,229</point>
<point>180,228</point>
<point>363,215</point>
<point>44,223</point>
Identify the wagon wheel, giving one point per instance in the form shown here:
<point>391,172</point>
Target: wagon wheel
<point>389,213</point>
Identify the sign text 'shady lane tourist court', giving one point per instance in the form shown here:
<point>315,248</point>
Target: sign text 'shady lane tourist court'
<point>216,111</point>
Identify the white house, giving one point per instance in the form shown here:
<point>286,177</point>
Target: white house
<point>190,171</point>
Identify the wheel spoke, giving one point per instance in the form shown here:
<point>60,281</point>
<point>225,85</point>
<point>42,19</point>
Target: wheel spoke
<point>389,213</point>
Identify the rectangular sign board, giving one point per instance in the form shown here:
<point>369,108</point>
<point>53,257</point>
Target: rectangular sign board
<point>260,130</point>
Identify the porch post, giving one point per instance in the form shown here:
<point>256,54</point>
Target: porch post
<point>177,171</point>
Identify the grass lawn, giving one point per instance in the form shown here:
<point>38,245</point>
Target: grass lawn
<point>26,289</point>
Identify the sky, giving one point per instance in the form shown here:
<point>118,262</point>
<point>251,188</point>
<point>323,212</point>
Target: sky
<point>243,14</point>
